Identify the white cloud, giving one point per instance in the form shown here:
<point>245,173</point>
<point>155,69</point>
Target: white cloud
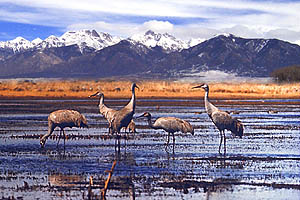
<point>158,26</point>
<point>187,32</point>
<point>127,7</point>
<point>126,30</point>
<point>184,19</point>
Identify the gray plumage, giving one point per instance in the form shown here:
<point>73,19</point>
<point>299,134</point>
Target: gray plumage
<point>107,113</point>
<point>123,117</point>
<point>131,127</point>
<point>63,119</point>
<point>221,119</point>
<point>170,125</point>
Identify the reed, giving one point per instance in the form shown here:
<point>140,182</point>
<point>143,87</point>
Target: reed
<point>153,89</point>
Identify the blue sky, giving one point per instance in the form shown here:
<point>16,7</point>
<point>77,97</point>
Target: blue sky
<point>184,19</point>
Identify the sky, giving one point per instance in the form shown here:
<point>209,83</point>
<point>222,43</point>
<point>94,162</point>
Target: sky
<point>184,19</point>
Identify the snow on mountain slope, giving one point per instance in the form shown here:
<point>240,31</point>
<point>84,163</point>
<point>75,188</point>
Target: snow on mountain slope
<point>18,44</point>
<point>51,41</point>
<point>36,41</point>
<point>194,41</point>
<point>166,41</point>
<point>82,38</point>
<point>89,38</point>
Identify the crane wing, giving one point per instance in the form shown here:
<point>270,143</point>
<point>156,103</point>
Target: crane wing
<point>123,117</point>
<point>173,124</point>
<point>108,113</point>
<point>221,119</point>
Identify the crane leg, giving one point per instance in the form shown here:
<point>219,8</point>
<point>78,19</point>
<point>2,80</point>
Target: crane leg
<point>59,137</point>
<point>64,137</point>
<point>173,139</point>
<point>221,140</point>
<point>168,140</point>
<point>173,142</point>
<point>224,142</point>
<point>117,145</point>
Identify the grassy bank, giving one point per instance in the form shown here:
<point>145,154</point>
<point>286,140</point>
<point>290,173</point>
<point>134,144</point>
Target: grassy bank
<point>156,89</point>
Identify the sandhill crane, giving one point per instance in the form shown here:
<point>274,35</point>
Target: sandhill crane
<point>107,112</point>
<point>124,116</point>
<point>63,119</point>
<point>170,125</point>
<point>221,119</point>
<point>131,127</point>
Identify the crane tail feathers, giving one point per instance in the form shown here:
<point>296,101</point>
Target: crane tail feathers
<point>187,127</point>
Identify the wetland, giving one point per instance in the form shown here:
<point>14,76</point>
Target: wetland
<point>264,164</point>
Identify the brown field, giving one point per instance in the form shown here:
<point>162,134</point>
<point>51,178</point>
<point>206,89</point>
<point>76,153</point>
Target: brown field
<point>154,89</point>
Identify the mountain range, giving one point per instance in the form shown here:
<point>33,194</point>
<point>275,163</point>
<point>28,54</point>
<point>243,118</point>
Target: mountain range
<point>87,53</point>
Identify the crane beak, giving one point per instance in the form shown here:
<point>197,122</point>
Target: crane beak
<point>140,116</point>
<point>96,94</point>
<point>198,86</point>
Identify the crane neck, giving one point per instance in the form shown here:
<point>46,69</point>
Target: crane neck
<point>131,103</point>
<point>101,100</point>
<point>150,124</point>
<point>209,107</point>
<point>206,98</point>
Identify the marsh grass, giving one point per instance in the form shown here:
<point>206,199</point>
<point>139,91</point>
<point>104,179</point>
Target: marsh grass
<point>153,89</point>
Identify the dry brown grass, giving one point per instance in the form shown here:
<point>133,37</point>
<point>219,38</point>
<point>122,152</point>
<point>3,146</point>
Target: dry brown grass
<point>155,89</point>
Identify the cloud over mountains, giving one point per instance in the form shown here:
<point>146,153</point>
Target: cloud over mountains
<point>183,19</point>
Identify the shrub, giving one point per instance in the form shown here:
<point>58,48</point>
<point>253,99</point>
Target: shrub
<point>287,74</point>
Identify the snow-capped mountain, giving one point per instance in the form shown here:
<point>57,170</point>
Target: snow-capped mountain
<point>82,38</point>
<point>94,41</point>
<point>51,41</point>
<point>168,42</point>
<point>16,45</point>
<point>89,38</point>
<point>90,54</point>
<point>36,41</point>
<point>195,41</point>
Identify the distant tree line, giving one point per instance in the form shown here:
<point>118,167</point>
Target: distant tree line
<point>287,74</point>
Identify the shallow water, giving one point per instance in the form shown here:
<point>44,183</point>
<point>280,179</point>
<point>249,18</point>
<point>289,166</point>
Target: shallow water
<point>264,164</point>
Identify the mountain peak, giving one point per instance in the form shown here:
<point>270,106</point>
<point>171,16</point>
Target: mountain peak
<point>36,41</point>
<point>227,35</point>
<point>150,32</point>
<point>18,40</point>
<point>16,45</point>
<point>168,42</point>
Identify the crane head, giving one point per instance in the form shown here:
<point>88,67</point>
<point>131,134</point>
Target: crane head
<point>203,86</point>
<point>97,94</point>
<point>134,85</point>
<point>83,122</point>
<point>238,128</point>
<point>145,114</point>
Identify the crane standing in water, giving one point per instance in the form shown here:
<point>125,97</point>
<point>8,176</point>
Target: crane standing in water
<point>107,112</point>
<point>221,119</point>
<point>63,119</point>
<point>123,117</point>
<point>170,125</point>
<point>131,127</point>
